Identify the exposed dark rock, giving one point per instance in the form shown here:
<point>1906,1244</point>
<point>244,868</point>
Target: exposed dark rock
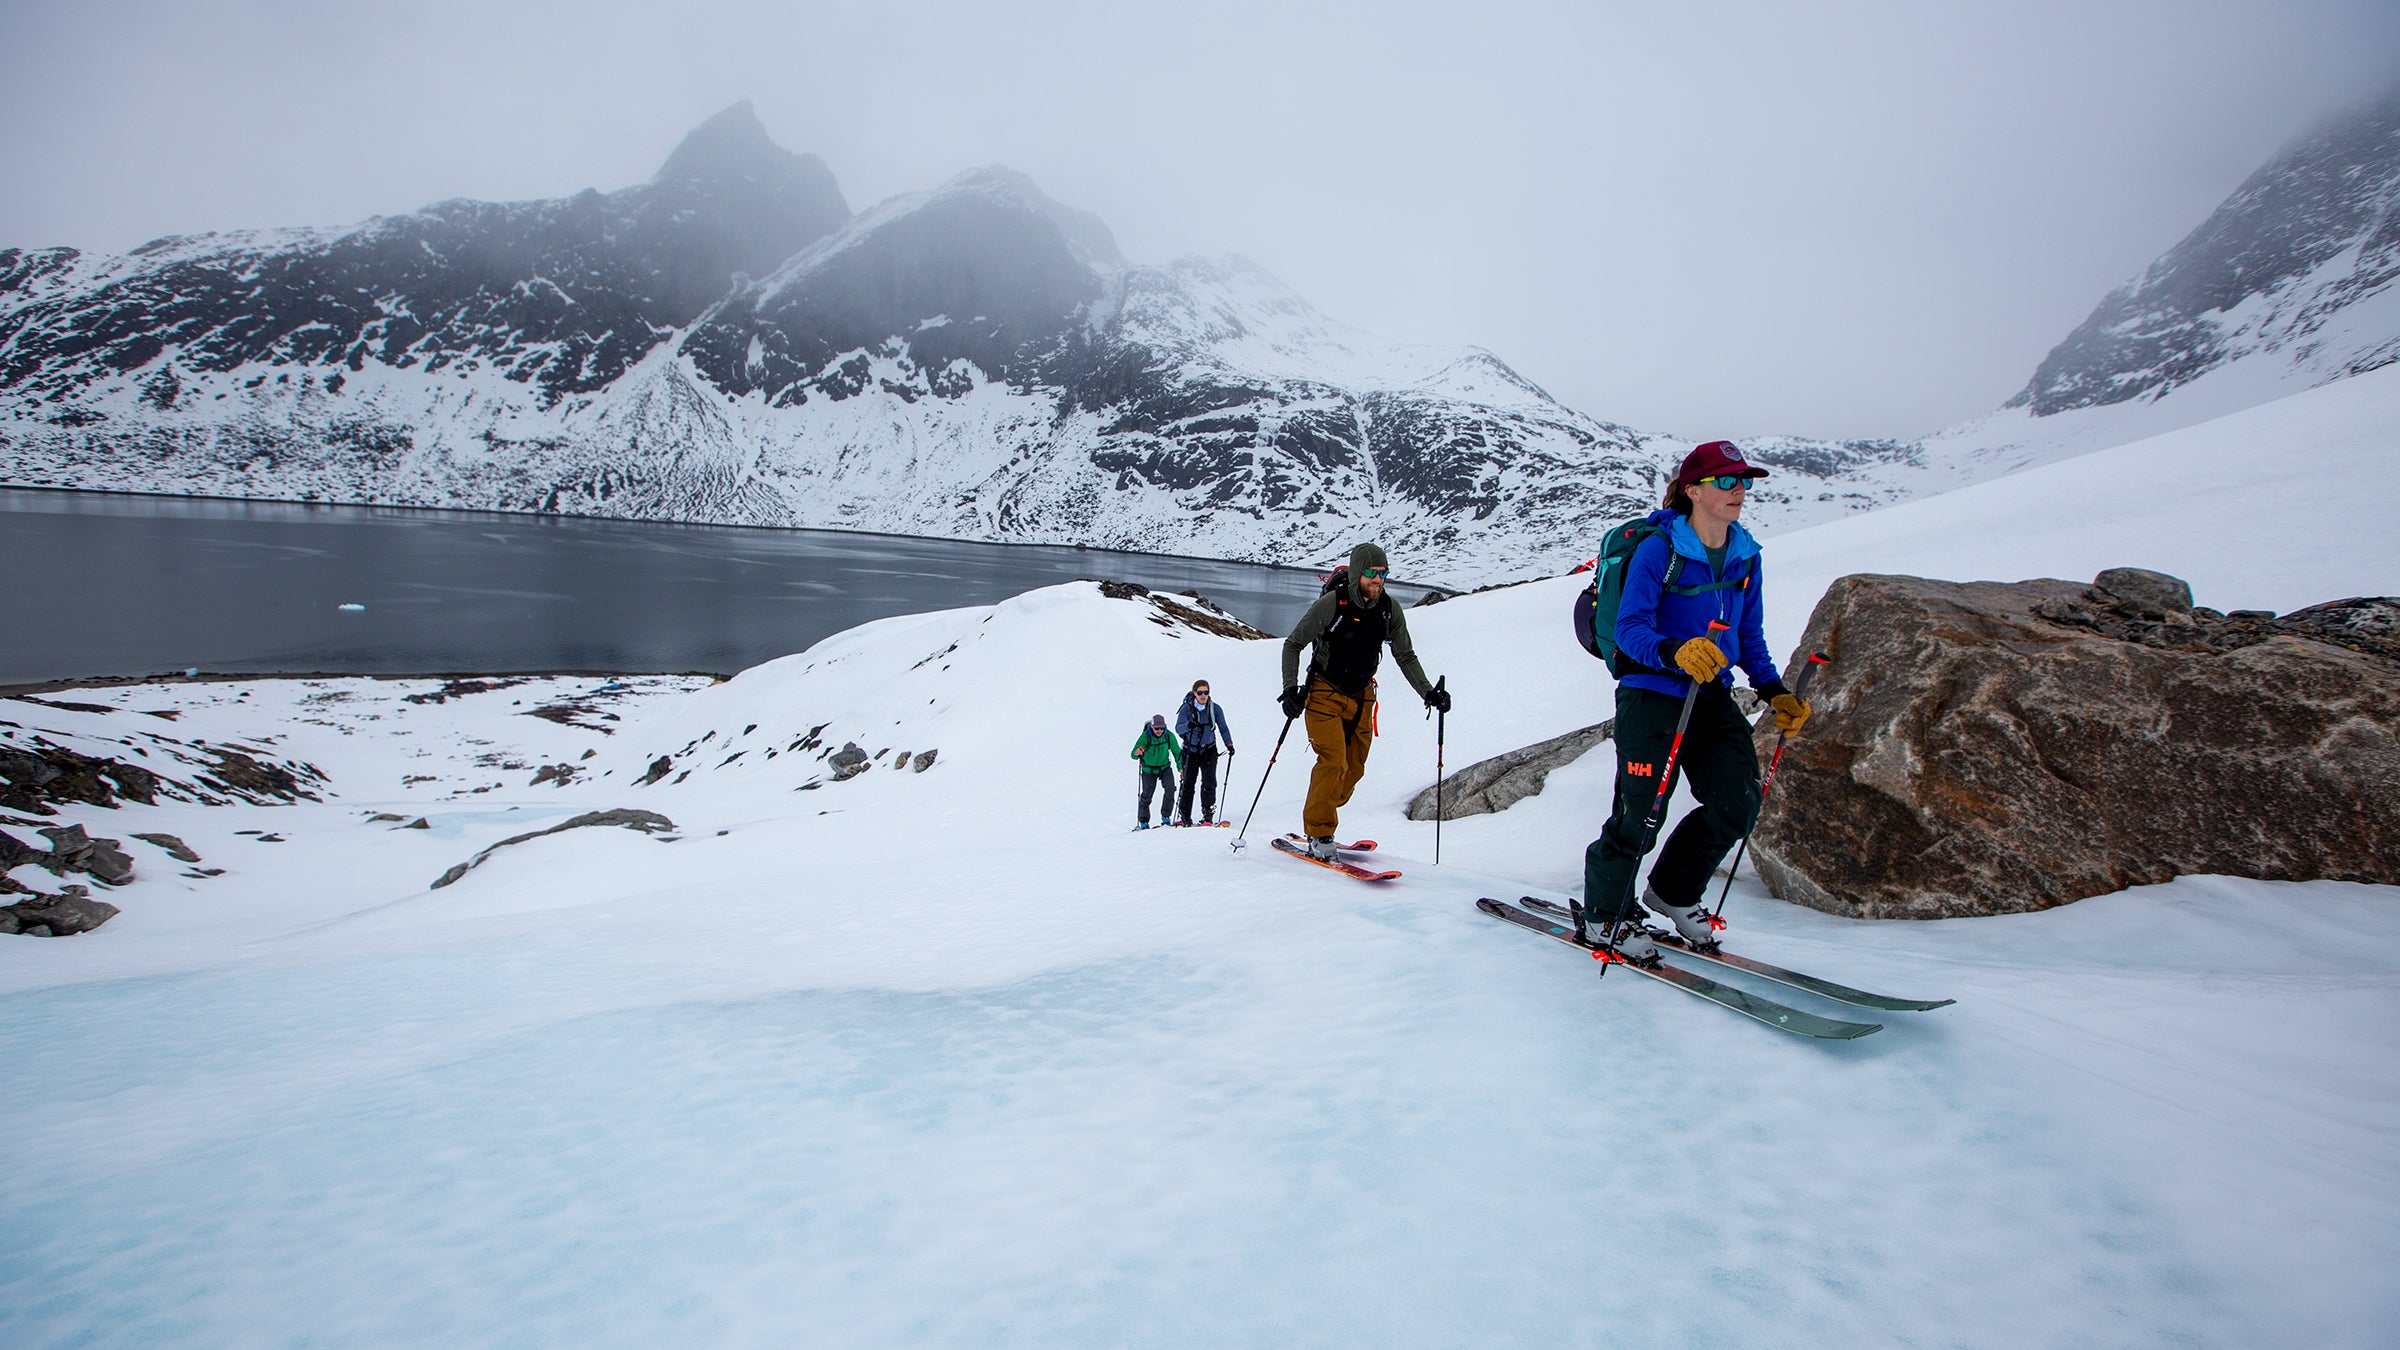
<point>924,760</point>
<point>849,761</point>
<point>176,848</point>
<point>2154,594</point>
<point>1502,781</point>
<point>659,768</point>
<point>72,850</point>
<point>460,689</point>
<point>72,911</point>
<point>632,818</point>
<point>26,772</point>
<point>65,706</point>
<point>15,852</point>
<point>1202,614</point>
<point>239,773</point>
<point>561,774</point>
<point>1983,748</point>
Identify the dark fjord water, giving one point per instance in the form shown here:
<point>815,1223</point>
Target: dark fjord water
<point>107,584</point>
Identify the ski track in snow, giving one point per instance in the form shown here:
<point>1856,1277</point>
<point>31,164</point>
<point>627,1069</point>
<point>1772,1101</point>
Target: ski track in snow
<point>950,1057</point>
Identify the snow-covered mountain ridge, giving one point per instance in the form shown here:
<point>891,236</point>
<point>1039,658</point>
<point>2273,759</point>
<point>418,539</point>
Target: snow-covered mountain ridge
<point>2288,285</point>
<point>727,344</point>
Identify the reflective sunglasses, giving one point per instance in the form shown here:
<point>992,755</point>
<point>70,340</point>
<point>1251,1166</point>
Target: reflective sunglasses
<point>1199,693</point>
<point>1375,573</point>
<point>1724,482</point>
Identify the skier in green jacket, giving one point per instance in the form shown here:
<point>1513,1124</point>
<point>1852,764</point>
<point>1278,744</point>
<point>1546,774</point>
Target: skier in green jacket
<point>1160,755</point>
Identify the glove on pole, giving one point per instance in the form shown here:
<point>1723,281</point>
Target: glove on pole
<point>1262,783</point>
<point>1799,691</point>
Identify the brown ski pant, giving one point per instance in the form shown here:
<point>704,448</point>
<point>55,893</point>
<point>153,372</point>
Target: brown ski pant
<point>1341,729</point>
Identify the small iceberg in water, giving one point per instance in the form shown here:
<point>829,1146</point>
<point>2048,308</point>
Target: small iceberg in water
<point>359,608</point>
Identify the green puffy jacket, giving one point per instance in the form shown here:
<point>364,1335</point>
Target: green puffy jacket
<point>1157,750</point>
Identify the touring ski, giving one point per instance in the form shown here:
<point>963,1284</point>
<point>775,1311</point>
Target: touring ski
<point>1343,866</point>
<point>1750,1005</point>
<point>1807,984</point>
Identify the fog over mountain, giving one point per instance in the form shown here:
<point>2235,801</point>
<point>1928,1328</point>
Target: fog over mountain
<point>728,343</point>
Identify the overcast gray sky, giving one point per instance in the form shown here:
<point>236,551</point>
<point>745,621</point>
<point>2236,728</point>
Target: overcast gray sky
<point>1849,218</point>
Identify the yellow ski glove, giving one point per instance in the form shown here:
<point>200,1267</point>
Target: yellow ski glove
<point>1791,712</point>
<point>1701,659</point>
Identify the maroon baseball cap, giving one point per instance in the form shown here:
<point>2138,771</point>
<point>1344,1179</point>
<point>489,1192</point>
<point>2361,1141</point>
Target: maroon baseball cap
<point>1713,458</point>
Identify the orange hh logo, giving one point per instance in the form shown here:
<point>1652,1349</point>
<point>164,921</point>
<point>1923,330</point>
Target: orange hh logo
<point>1640,770</point>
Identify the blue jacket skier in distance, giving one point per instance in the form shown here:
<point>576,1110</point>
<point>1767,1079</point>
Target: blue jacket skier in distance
<point>1666,652</point>
<point>1201,725</point>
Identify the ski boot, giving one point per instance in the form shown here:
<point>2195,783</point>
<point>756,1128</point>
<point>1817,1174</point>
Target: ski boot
<point>1629,940</point>
<point>1323,850</point>
<point>1693,923</point>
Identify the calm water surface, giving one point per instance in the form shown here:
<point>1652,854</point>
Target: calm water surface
<point>106,584</point>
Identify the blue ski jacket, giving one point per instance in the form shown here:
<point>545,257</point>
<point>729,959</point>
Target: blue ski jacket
<point>1652,623</point>
<point>1202,730</point>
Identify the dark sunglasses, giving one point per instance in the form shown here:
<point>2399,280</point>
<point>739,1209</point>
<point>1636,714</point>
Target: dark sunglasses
<point>1199,693</point>
<point>1724,482</point>
<point>1375,574</point>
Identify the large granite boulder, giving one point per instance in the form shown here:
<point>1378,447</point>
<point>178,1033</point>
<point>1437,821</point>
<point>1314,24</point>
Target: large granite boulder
<point>1988,748</point>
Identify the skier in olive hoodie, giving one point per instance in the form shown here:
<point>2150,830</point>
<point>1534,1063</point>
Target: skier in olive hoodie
<point>1345,633</point>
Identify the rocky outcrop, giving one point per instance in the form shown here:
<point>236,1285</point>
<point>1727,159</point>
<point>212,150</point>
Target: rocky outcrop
<point>37,776</point>
<point>1985,747</point>
<point>71,850</point>
<point>71,911</point>
<point>647,822</point>
<point>1502,781</point>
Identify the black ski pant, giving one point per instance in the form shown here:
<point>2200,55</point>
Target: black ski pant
<point>1719,762</point>
<point>1199,768</point>
<point>1160,778</point>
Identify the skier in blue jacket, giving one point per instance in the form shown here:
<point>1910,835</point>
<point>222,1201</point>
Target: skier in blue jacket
<point>1665,650</point>
<point>1200,724</point>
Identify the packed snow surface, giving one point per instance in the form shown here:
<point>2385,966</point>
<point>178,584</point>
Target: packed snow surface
<point>951,1057</point>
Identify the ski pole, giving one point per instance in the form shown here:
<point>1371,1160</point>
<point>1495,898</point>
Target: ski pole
<point>1799,691</point>
<point>1441,727</point>
<point>1227,789</point>
<point>1263,774</point>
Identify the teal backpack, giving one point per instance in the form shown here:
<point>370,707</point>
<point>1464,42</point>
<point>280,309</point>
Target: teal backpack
<point>1596,605</point>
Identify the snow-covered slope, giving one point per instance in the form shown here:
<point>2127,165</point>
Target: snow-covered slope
<point>948,1056</point>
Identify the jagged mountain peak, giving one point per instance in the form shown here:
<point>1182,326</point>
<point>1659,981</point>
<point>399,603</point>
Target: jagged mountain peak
<point>734,146</point>
<point>2297,265</point>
